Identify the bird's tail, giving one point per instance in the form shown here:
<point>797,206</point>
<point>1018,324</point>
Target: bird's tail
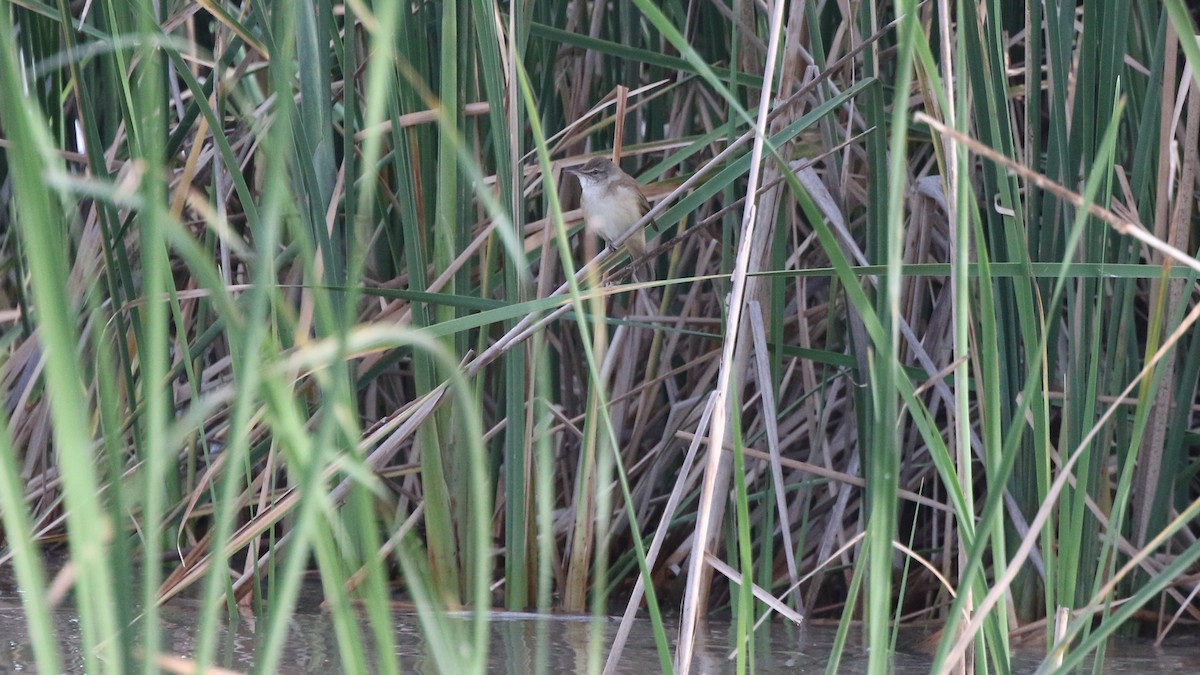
<point>642,272</point>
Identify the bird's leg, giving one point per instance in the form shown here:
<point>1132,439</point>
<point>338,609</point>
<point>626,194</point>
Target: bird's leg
<point>608,250</point>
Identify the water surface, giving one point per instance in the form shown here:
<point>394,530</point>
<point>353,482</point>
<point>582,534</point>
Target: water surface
<point>522,643</point>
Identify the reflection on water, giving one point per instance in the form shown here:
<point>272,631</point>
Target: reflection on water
<point>528,644</point>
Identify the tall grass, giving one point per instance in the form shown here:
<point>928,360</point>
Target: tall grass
<point>293,287</point>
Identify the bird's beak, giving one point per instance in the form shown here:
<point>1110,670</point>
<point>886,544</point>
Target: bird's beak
<point>573,170</point>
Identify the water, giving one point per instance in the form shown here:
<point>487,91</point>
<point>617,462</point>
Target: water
<point>519,643</point>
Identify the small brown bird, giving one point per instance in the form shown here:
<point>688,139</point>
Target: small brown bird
<point>612,202</point>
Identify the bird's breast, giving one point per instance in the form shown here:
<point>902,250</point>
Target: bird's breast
<point>609,213</point>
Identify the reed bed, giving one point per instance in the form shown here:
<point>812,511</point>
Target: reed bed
<point>296,287</point>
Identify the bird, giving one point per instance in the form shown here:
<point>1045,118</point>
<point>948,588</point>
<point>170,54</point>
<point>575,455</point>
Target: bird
<point>612,202</point>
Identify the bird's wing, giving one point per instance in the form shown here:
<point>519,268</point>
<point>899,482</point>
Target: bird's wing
<point>644,208</point>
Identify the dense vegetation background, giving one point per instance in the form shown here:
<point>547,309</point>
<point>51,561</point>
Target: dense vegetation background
<point>301,284</point>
